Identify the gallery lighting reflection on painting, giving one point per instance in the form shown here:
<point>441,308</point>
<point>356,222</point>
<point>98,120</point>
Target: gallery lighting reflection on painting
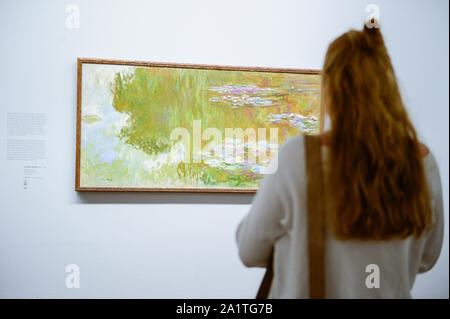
<point>128,112</point>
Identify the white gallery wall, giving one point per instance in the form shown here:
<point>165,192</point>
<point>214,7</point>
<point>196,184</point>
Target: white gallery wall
<point>152,245</point>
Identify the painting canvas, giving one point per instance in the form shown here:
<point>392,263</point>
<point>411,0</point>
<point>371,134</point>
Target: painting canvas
<point>144,126</point>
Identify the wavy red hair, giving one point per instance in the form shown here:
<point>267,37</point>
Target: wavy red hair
<point>376,173</point>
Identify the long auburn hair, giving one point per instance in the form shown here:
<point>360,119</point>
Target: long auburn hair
<point>376,174</point>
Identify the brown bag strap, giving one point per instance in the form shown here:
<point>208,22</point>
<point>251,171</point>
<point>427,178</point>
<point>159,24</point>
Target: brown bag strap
<point>316,216</point>
<point>316,223</point>
<point>266,283</point>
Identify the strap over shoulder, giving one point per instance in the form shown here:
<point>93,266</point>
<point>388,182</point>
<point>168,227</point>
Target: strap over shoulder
<point>316,215</point>
<point>316,223</point>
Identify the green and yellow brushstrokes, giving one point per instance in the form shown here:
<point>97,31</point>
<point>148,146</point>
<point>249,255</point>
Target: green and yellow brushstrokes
<point>128,114</point>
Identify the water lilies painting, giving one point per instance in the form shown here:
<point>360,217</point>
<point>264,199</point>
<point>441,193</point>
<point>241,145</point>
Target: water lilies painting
<point>145,126</point>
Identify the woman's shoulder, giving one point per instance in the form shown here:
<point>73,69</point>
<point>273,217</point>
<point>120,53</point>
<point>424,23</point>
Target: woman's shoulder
<point>430,163</point>
<point>292,147</point>
<point>429,160</point>
<point>289,155</point>
<point>424,150</point>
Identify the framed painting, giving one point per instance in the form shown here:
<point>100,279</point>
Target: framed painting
<point>145,126</point>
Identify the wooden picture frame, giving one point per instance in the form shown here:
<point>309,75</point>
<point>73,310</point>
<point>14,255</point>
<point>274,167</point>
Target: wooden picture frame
<point>79,186</point>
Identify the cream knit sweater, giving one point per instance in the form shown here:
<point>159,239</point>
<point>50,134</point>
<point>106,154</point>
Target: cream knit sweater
<point>277,219</point>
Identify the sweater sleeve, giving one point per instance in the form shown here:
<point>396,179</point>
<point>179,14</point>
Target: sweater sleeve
<point>435,236</point>
<point>260,228</point>
<point>269,214</point>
